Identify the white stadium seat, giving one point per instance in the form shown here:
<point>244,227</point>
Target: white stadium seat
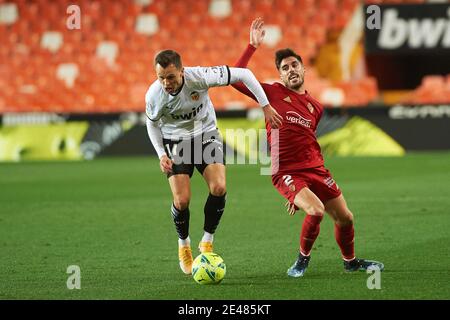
<point>52,41</point>
<point>8,13</point>
<point>220,8</point>
<point>67,72</point>
<point>107,50</point>
<point>273,35</point>
<point>147,24</point>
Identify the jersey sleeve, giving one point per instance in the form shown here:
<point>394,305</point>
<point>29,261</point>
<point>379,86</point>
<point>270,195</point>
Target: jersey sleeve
<point>154,133</point>
<point>250,82</point>
<point>242,63</point>
<point>246,56</point>
<point>208,77</point>
<point>153,107</point>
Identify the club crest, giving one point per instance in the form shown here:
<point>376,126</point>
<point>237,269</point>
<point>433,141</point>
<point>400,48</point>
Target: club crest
<point>195,95</point>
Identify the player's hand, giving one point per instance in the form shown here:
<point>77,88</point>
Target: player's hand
<point>165,164</point>
<point>291,208</point>
<point>257,32</point>
<point>272,116</point>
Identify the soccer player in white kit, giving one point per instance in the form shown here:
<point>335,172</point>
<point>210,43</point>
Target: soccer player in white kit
<point>181,124</point>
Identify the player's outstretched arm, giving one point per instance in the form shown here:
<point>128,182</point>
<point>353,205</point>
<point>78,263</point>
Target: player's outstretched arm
<point>257,32</point>
<point>249,80</point>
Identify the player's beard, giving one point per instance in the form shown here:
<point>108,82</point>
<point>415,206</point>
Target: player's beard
<point>297,85</point>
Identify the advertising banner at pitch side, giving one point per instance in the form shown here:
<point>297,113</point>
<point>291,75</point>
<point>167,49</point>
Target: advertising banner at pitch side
<point>407,29</point>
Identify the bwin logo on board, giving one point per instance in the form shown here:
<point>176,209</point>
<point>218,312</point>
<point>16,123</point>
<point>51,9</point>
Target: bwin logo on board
<point>416,33</point>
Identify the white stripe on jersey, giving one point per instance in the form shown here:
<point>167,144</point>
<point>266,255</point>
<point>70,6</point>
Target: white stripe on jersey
<point>190,112</point>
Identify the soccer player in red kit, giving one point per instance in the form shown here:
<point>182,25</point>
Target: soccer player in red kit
<point>301,176</point>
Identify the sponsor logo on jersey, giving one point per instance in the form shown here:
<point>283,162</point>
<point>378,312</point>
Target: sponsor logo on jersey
<point>294,117</point>
<point>195,95</point>
<point>187,116</point>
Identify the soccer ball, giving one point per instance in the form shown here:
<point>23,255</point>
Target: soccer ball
<point>208,268</point>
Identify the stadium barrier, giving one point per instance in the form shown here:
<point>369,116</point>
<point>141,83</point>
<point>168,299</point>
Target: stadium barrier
<point>378,131</point>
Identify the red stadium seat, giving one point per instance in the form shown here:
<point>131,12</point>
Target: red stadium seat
<point>304,24</point>
<point>435,82</point>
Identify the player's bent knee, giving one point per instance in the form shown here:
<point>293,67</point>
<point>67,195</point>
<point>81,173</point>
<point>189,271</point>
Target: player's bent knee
<point>346,220</point>
<point>181,203</point>
<point>315,210</point>
<point>218,189</point>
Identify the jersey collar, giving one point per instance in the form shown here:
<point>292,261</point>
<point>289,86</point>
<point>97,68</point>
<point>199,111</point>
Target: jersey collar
<point>292,91</point>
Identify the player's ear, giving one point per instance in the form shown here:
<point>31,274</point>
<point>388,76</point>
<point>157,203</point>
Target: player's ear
<point>182,71</point>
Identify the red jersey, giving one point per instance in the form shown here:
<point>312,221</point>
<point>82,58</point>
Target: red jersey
<point>298,148</point>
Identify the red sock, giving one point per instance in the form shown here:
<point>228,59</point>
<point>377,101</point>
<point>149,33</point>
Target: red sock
<point>310,231</point>
<point>345,239</point>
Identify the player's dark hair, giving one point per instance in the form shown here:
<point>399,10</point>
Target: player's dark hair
<point>168,57</point>
<point>285,53</point>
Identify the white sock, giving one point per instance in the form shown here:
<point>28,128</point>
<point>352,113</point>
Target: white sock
<point>208,237</point>
<point>184,242</point>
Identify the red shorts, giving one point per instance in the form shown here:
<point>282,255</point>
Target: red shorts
<point>318,180</point>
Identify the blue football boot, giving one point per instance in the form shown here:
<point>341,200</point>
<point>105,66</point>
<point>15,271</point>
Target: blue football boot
<point>299,267</point>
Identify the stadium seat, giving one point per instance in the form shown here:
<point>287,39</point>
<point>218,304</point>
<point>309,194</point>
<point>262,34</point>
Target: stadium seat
<point>114,49</point>
<point>220,8</point>
<point>433,89</point>
<point>107,50</point>
<point>147,24</point>
<point>333,96</point>
<point>433,82</point>
<point>67,72</point>
<point>9,13</point>
<point>273,35</point>
<point>52,41</point>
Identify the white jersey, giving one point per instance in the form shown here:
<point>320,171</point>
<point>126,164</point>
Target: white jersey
<point>190,112</point>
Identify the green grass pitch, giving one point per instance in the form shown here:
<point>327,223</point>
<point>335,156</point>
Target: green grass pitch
<point>111,218</point>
